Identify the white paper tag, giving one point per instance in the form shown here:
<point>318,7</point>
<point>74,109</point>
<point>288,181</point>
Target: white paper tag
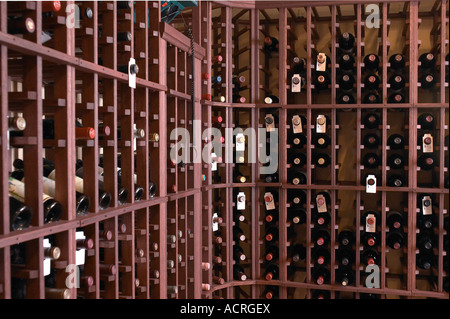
<point>47,262</point>
<point>296,83</point>
<point>240,201</point>
<point>321,124</point>
<point>297,125</point>
<point>80,255</point>
<point>213,162</point>
<point>131,77</point>
<point>321,204</point>
<point>321,64</point>
<point>371,223</point>
<point>427,143</point>
<point>215,225</point>
<point>240,142</point>
<point>427,205</point>
<point>371,184</point>
<point>268,200</point>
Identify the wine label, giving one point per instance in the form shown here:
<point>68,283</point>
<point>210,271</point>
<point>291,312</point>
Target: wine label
<point>297,125</point>
<point>371,184</point>
<point>371,223</point>
<point>321,124</point>
<point>268,200</point>
<point>427,205</point>
<point>321,204</point>
<point>270,123</point>
<point>240,142</point>
<point>241,201</point>
<point>427,143</point>
<point>17,190</point>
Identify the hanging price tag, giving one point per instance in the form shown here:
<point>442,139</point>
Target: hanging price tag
<point>213,162</point>
<point>321,64</point>
<point>321,204</point>
<point>427,143</point>
<point>240,142</point>
<point>270,123</point>
<point>427,208</point>
<point>268,200</point>
<point>80,254</point>
<point>131,75</point>
<point>321,124</point>
<point>371,223</point>
<point>47,262</point>
<point>240,201</point>
<point>215,225</point>
<point>371,184</point>
<point>297,125</point>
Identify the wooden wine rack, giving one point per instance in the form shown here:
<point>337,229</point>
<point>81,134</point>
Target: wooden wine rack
<point>75,76</point>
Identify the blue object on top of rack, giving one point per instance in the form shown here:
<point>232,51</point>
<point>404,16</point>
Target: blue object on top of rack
<point>170,9</point>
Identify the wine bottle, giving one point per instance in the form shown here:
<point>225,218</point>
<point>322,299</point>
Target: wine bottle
<point>20,214</point>
<point>346,62</point>
<point>124,36</point>
<point>321,141</point>
<point>397,82</point>
<point>297,197</point>
<point>271,99</point>
<point>216,59</point>
<point>345,98</point>
<point>426,161</point>
<point>296,215</point>
<point>371,160</point>
<point>370,257</point>
<point>271,44</point>
<point>345,276</point>
<point>238,253</point>
<point>238,99</point>
<point>372,98</point>
<point>396,181</point>
<point>297,157</point>
<point>345,256</point>
<point>320,294</point>
<point>425,222</point>
<point>238,273</point>
<point>298,252</point>
<point>271,252</point>
<point>271,292</point>
<point>132,68</point>
<point>346,82</point>
<point>322,160</point>
<point>238,234</point>
<point>371,62</point>
<point>425,241</point>
<point>321,256</point>
<point>395,220</point>
<point>299,65</point>
<point>321,81</point>
<point>52,208</point>
<point>49,187</point>
<point>396,142</point>
<point>271,234</point>
<point>321,219</point>
<point>50,172</point>
<point>346,238</point>
<point>272,272</point>
<point>21,25</point>
<point>396,97</point>
<point>425,261</point>
<point>321,275</point>
<point>397,61</point>
<point>296,177</point>
<point>297,140</point>
<point>346,42</point>
<point>371,82</point>
<point>427,60</point>
<point>371,121</point>
<point>371,141</point>
<point>396,161</point>
<point>426,121</point>
<point>16,123</point>
<point>321,237</point>
<point>395,239</point>
<point>427,81</point>
<point>370,239</point>
<point>271,216</point>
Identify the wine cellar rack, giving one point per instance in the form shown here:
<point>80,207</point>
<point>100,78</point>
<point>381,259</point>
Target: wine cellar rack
<point>178,230</point>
